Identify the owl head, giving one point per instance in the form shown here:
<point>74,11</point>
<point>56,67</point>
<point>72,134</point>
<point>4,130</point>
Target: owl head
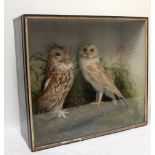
<point>59,55</point>
<point>88,52</point>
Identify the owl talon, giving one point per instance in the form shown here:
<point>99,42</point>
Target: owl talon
<point>62,113</point>
<point>96,103</point>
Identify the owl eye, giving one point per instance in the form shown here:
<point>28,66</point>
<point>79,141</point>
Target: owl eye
<point>57,54</point>
<point>84,49</point>
<point>91,50</point>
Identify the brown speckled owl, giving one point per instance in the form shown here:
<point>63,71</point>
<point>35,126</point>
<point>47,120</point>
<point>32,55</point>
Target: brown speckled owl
<point>57,82</point>
<point>96,75</point>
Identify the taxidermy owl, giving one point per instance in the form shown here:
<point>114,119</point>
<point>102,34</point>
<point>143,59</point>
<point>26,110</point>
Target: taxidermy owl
<point>96,75</point>
<point>57,82</point>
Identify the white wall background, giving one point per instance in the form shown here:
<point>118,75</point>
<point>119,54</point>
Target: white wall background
<point>134,142</point>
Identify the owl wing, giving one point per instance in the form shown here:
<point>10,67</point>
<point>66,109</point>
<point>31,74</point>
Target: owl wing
<point>45,83</point>
<point>100,75</point>
<point>49,81</point>
<point>49,85</point>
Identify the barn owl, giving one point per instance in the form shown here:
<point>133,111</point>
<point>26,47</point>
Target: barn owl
<point>96,75</point>
<point>57,82</point>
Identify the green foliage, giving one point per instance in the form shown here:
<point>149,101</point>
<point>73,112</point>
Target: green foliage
<point>37,70</point>
<point>81,91</point>
<point>123,80</point>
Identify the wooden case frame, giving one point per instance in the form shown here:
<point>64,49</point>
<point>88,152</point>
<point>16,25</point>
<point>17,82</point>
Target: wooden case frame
<point>24,83</point>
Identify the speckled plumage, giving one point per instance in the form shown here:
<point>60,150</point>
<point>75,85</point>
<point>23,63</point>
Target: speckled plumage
<point>57,82</point>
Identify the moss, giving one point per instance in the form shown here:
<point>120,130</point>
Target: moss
<point>123,80</point>
<point>37,70</point>
<point>81,91</point>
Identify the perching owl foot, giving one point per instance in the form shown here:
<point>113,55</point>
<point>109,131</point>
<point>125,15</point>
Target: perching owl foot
<point>62,113</point>
<point>96,103</point>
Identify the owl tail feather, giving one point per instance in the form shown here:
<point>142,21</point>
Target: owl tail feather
<point>123,102</point>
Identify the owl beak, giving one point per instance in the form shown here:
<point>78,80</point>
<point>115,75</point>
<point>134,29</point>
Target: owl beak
<point>67,59</point>
<point>83,55</point>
